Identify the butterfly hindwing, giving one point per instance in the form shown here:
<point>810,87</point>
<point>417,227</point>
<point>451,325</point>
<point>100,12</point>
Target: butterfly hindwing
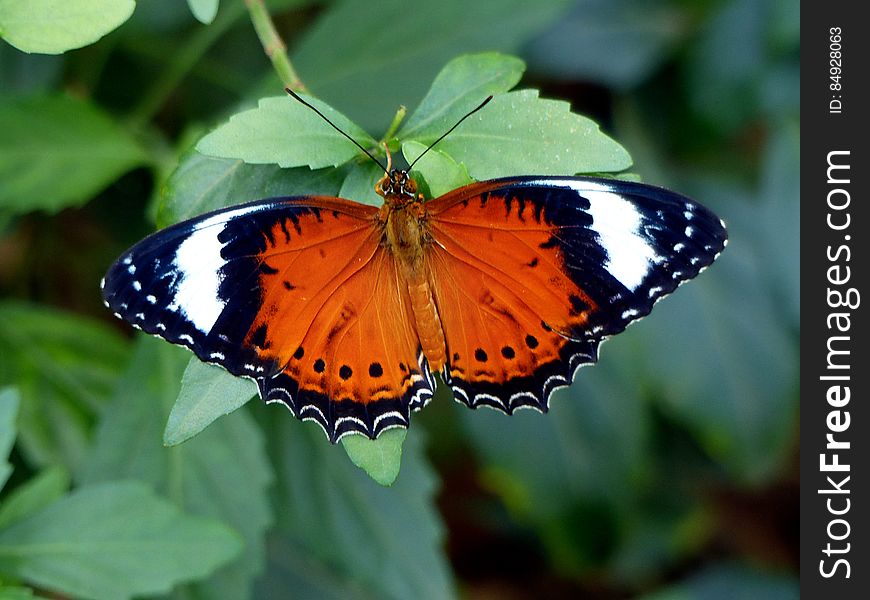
<point>531,274</point>
<point>296,293</point>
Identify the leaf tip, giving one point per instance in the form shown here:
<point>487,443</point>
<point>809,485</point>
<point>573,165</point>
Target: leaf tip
<point>380,458</point>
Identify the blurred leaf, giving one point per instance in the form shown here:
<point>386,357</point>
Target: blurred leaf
<point>204,10</point>
<point>55,26</point>
<point>459,87</point>
<point>577,483</point>
<point>93,543</point>
<point>441,172</point>
<point>591,444</point>
<point>57,152</point>
<point>294,573</point>
<point>15,593</point>
<point>203,183</point>
<point>380,458</point>
<point>724,76</point>
<point>9,403</point>
<point>667,525</point>
<point>520,133</point>
<point>44,489</point>
<point>730,582</point>
<point>223,473</point>
<point>64,367</point>
<point>387,540</point>
<point>285,132</point>
<point>207,393</point>
<point>23,73</point>
<point>617,43</point>
<point>718,353</point>
<point>779,217</point>
<point>342,58</point>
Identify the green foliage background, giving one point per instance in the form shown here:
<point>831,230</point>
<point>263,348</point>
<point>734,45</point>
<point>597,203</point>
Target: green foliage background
<point>668,470</point>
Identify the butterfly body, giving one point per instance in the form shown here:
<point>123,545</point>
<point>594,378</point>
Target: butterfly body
<point>407,238</point>
<point>343,312</point>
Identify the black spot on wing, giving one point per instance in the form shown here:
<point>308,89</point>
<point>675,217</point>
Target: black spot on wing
<point>258,338</point>
<point>339,417</point>
<point>532,390</point>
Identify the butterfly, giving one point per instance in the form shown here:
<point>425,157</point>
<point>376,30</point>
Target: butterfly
<point>345,312</point>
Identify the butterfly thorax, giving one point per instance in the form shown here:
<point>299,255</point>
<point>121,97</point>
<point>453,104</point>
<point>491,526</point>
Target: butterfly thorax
<point>403,218</point>
<point>406,236</point>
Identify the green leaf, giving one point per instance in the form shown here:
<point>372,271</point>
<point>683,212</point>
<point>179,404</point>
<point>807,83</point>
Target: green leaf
<point>380,458</point>
<point>65,367</point>
<point>55,26</point>
<point>9,402</point>
<point>57,152</point>
<point>207,393</point>
<point>388,541</point>
<point>283,131</point>
<point>223,473</point>
<point>204,10</point>
<point>520,133</point>
<point>442,173</point>
<point>359,185</point>
<point>35,494</point>
<point>732,581</point>
<point>342,59</point>
<point>114,540</point>
<point>204,183</point>
<point>461,85</point>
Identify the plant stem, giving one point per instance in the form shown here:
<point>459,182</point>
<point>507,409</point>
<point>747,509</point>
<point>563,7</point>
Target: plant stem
<point>397,120</point>
<point>273,45</point>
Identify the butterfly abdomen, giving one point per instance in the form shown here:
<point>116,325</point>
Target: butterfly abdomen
<point>428,324</point>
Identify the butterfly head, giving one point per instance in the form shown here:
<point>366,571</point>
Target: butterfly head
<point>397,188</point>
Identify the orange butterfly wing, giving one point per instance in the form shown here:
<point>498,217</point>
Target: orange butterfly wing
<point>531,274</point>
<point>297,294</point>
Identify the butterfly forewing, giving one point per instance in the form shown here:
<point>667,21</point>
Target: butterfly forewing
<point>530,275</point>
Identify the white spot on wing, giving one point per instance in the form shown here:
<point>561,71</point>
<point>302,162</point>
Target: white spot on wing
<point>198,263</point>
<point>617,222</point>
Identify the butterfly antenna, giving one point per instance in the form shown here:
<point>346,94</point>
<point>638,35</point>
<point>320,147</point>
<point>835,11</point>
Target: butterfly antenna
<point>334,126</point>
<point>481,105</point>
